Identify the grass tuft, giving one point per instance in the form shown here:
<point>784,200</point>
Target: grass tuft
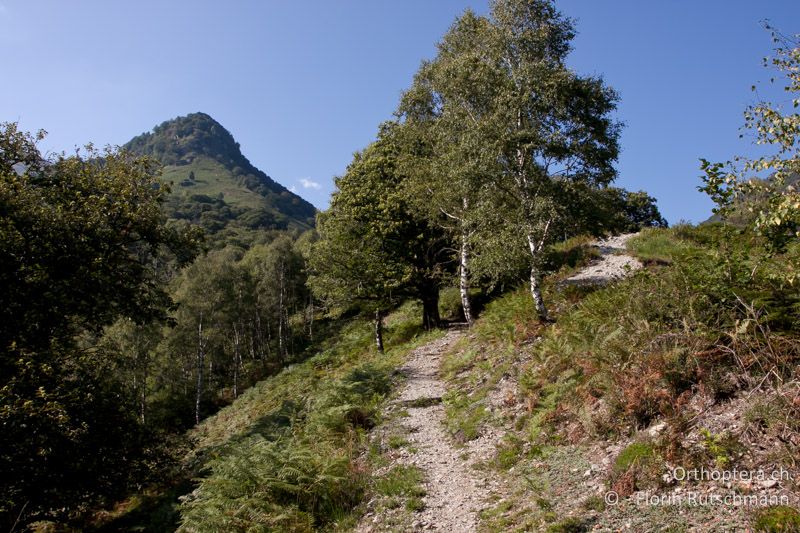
<point>777,519</point>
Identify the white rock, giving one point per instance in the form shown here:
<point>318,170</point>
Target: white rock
<point>656,430</point>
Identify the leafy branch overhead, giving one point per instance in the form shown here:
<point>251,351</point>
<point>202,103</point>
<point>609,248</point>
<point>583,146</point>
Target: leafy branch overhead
<point>766,186</point>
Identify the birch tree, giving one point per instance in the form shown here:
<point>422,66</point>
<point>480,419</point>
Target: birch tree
<point>551,127</point>
<point>133,346</point>
<point>512,137</point>
<point>444,119</point>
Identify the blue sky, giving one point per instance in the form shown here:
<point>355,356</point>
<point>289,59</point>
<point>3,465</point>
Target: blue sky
<point>304,84</point>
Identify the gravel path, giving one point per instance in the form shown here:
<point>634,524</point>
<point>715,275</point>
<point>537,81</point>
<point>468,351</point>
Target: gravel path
<point>614,263</point>
<point>454,495</point>
<point>456,491</point>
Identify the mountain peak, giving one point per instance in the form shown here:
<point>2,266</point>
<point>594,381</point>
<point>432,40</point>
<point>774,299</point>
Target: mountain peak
<point>180,140</point>
<point>203,161</point>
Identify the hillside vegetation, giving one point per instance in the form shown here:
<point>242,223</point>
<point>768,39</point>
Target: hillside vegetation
<point>119,331</point>
<point>691,363</point>
<point>290,453</point>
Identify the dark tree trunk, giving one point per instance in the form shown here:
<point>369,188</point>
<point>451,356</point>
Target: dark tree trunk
<point>430,309</point>
<point>379,330</point>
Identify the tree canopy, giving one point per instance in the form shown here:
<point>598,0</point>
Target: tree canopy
<point>83,241</point>
<point>373,247</point>
<point>512,137</point>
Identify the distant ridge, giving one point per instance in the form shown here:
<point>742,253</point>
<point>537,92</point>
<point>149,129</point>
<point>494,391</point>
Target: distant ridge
<point>214,184</point>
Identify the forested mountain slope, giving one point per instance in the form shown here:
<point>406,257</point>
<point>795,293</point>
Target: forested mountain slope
<point>214,185</point>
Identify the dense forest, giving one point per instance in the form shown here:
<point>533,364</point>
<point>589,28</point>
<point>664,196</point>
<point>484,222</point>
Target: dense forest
<point>119,331</point>
<point>179,329</point>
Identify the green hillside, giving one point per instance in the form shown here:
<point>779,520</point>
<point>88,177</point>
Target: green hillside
<point>210,178</point>
<point>214,185</point>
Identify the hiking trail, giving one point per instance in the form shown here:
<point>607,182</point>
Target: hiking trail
<point>456,491</point>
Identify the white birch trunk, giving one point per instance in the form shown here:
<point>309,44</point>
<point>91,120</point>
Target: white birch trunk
<point>536,279</point>
<point>463,280</point>
<point>281,347</point>
<point>379,330</point>
<point>200,365</point>
<point>143,391</point>
<point>237,361</point>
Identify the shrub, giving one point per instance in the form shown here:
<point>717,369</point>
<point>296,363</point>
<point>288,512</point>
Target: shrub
<point>636,467</point>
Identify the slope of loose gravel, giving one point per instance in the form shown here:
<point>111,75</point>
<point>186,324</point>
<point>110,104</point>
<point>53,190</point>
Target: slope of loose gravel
<point>614,263</point>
